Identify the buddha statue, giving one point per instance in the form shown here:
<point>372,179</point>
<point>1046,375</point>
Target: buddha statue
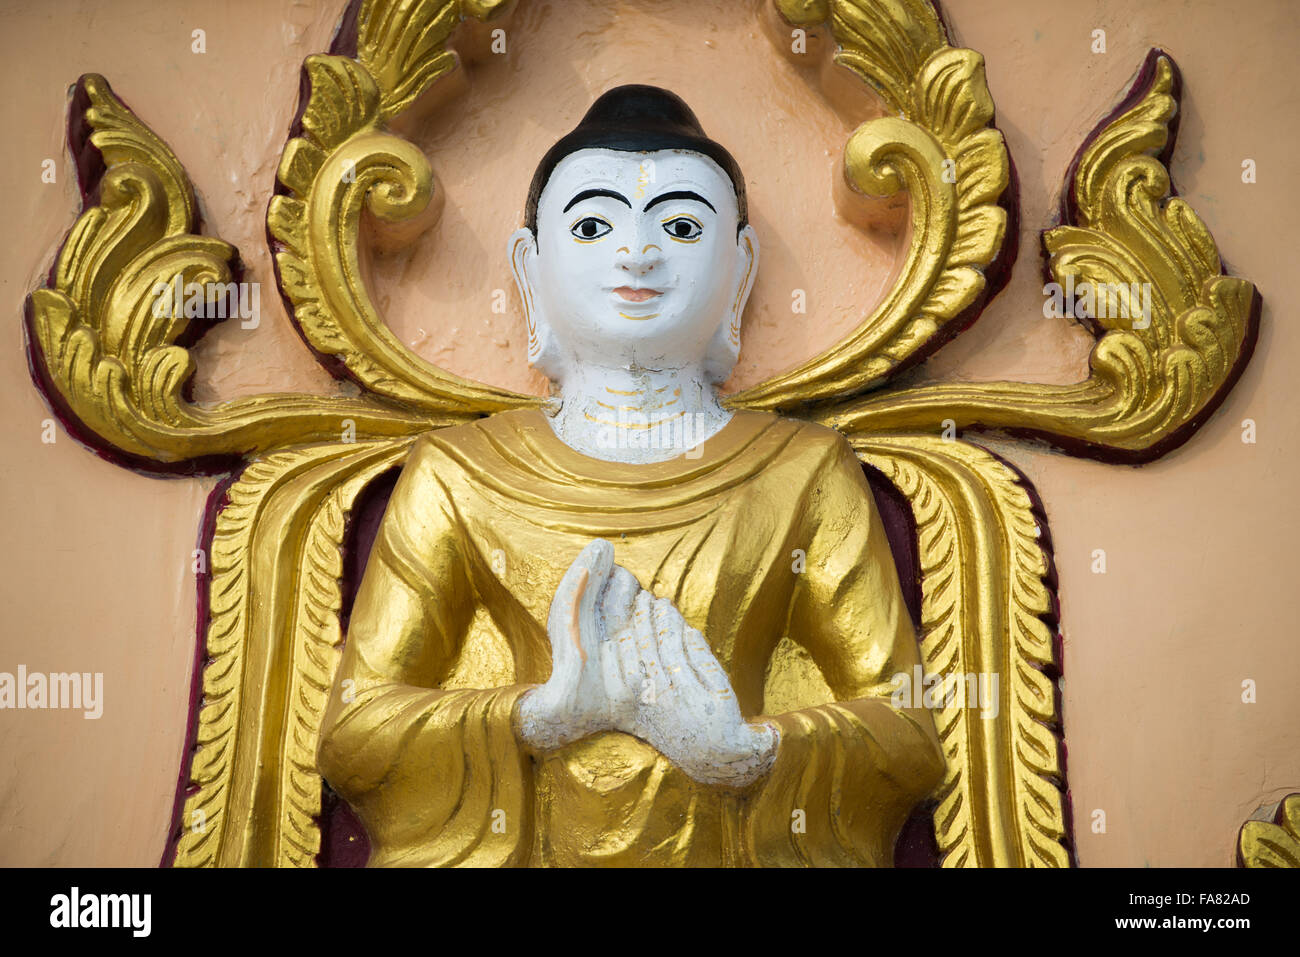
<point>632,627</point>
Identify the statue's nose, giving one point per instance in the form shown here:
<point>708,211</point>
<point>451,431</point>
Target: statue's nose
<point>638,263</point>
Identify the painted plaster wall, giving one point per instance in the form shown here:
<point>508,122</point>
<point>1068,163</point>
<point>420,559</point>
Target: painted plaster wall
<point>95,568</point>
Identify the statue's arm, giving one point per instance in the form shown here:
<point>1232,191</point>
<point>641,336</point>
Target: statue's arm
<point>856,767</point>
<point>437,776</point>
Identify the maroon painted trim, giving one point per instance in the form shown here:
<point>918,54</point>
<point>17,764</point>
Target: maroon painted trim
<point>896,516</point>
<point>915,845</point>
<point>345,35</point>
<point>344,841</point>
<point>217,500</point>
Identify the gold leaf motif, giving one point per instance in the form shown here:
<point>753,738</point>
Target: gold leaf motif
<point>1172,336</point>
<point>402,43</point>
<point>884,43</point>
<point>344,100</point>
<point>1273,844</point>
<point>104,334</point>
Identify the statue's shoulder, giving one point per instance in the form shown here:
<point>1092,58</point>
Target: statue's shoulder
<point>793,458</point>
<point>448,462</point>
<point>474,440</point>
<point>809,438</point>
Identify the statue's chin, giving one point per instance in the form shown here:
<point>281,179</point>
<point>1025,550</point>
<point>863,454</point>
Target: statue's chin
<point>652,354</point>
<point>609,329</point>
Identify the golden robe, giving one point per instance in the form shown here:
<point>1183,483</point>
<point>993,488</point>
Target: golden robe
<point>769,543</point>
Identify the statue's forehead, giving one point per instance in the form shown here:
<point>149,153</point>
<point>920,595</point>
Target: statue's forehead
<point>639,174</point>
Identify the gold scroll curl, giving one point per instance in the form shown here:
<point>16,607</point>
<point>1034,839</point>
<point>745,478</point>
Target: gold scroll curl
<point>942,149</point>
<point>345,159</point>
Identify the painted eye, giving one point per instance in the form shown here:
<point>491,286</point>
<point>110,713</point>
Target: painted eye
<point>590,228</point>
<point>684,229</point>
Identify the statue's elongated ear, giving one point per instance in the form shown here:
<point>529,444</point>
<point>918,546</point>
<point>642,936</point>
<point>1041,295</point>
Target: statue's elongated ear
<point>725,347</point>
<point>543,353</point>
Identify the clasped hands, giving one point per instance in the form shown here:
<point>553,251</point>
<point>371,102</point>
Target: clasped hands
<point>626,661</point>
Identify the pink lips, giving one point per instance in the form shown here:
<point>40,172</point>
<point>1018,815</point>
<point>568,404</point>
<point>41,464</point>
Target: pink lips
<point>629,294</point>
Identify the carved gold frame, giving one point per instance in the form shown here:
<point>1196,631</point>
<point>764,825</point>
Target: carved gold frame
<point>117,374</point>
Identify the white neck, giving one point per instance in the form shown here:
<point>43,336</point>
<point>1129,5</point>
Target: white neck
<point>635,415</point>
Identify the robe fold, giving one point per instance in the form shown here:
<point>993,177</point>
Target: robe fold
<point>768,542</point>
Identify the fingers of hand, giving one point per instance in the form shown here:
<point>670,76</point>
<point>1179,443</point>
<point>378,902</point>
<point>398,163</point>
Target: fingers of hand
<point>598,559</point>
<point>705,665</point>
<point>647,642</point>
<point>619,596</point>
<point>629,658</point>
<point>669,628</point>
<point>618,649</point>
<point>574,600</point>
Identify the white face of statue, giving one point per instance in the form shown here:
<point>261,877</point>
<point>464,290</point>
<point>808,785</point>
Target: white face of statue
<point>637,262</point>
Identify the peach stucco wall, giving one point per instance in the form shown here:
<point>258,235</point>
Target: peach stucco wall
<point>96,569</point>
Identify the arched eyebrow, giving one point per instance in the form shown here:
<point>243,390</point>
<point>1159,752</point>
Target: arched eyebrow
<point>592,194</point>
<point>679,194</point>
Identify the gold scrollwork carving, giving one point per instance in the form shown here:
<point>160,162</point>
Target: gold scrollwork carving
<point>120,372</point>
